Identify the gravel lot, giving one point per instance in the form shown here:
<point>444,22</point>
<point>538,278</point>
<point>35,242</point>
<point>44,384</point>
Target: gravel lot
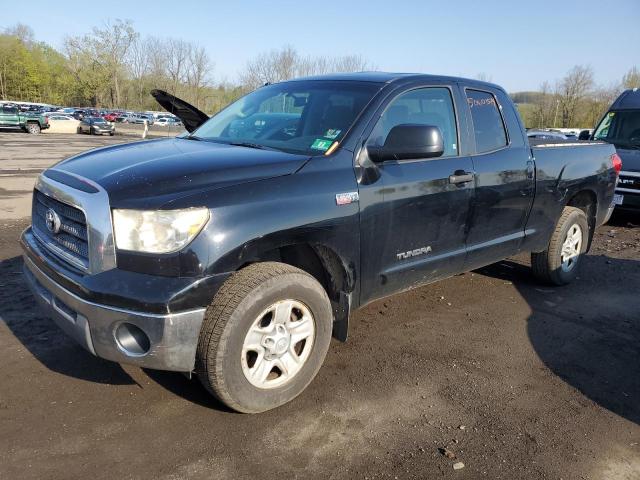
<point>517,380</point>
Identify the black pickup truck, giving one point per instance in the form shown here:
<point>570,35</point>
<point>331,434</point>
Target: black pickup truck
<point>234,251</point>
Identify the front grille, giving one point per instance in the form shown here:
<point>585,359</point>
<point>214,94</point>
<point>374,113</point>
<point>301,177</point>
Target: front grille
<point>629,182</point>
<point>71,241</point>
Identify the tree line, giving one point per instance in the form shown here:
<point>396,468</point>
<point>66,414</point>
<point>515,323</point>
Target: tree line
<point>573,101</point>
<point>113,66</point>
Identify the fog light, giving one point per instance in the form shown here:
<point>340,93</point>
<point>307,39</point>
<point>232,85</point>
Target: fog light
<point>132,340</point>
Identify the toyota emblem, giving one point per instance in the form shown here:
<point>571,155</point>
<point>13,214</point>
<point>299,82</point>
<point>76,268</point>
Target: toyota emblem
<point>52,220</point>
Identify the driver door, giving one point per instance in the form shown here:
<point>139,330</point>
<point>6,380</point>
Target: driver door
<point>414,215</point>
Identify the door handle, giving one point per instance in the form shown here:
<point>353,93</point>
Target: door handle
<point>530,170</point>
<point>460,176</point>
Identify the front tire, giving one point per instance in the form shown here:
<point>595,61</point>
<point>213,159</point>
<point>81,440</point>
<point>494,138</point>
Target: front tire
<point>264,337</point>
<point>559,263</point>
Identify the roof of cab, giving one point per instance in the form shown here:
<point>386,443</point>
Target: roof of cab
<point>388,77</point>
<point>629,99</point>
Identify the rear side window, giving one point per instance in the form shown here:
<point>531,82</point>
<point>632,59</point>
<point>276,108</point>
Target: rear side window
<point>487,121</point>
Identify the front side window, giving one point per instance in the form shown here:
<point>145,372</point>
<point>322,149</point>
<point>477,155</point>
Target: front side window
<point>298,117</point>
<point>425,106</point>
<point>621,128</point>
<point>487,121</point>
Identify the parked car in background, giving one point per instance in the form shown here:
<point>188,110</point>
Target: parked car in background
<point>167,122</point>
<point>31,122</point>
<point>96,126</point>
<point>141,119</point>
<point>621,127</point>
<point>79,114</point>
<point>58,116</point>
<point>545,134</point>
<point>111,117</point>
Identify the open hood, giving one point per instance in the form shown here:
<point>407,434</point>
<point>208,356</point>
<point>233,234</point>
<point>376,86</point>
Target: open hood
<point>191,117</point>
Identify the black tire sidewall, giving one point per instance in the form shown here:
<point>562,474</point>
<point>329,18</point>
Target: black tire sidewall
<point>243,395</point>
<point>565,277</point>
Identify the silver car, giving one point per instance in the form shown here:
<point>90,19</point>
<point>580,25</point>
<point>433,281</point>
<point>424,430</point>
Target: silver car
<point>96,126</point>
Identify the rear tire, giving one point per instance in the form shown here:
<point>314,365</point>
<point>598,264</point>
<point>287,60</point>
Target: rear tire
<point>33,128</point>
<point>259,316</point>
<point>559,263</point>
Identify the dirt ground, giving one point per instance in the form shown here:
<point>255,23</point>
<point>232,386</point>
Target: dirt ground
<point>516,379</point>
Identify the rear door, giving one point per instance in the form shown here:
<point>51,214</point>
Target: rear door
<point>413,216</point>
<point>505,182</point>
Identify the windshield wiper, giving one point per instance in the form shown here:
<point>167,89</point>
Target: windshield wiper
<point>192,137</point>
<point>251,145</point>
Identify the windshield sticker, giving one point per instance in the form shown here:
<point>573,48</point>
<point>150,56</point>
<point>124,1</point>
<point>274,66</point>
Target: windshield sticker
<point>321,144</point>
<point>332,133</point>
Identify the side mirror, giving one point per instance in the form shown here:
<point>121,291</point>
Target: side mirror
<point>584,135</point>
<point>409,141</point>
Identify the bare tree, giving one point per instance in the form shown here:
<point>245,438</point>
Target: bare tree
<point>270,67</point>
<point>545,110</point>
<point>139,61</point>
<point>572,90</point>
<point>111,45</point>
<point>177,54</point>
<point>22,32</point>
<point>286,63</point>
<point>600,100</point>
<point>484,77</point>
<point>351,63</point>
<point>631,79</point>
<point>198,71</point>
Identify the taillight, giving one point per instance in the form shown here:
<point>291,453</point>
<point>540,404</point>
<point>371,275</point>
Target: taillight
<point>617,163</point>
<point>46,119</point>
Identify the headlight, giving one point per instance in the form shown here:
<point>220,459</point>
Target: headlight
<point>157,231</point>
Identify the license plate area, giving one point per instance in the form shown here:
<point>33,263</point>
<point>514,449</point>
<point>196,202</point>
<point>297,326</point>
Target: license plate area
<point>618,199</point>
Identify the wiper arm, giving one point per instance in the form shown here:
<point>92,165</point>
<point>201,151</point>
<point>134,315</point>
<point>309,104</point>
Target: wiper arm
<point>251,145</point>
<point>192,137</point>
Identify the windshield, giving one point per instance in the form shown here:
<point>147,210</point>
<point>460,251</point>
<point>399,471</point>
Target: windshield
<point>98,120</point>
<point>622,128</point>
<point>297,117</point>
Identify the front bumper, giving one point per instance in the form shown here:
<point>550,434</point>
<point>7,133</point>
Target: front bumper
<point>172,338</point>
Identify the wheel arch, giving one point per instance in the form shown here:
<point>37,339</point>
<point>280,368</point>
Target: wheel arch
<point>324,264</point>
<point>587,201</point>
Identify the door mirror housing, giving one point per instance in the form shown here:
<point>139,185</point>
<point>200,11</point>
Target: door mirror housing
<point>409,141</point>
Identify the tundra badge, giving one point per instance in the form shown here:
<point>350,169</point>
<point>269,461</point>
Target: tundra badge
<point>413,253</point>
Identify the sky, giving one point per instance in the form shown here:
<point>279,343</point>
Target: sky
<point>517,44</point>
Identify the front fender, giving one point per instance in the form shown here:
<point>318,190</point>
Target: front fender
<point>250,219</point>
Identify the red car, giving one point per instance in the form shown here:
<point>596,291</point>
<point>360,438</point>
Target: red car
<point>110,117</point>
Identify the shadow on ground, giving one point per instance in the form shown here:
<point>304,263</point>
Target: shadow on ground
<point>597,353</point>
<point>594,349</point>
<point>42,338</point>
<point>57,352</point>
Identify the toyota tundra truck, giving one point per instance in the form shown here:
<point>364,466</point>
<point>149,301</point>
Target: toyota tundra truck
<point>236,250</point>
